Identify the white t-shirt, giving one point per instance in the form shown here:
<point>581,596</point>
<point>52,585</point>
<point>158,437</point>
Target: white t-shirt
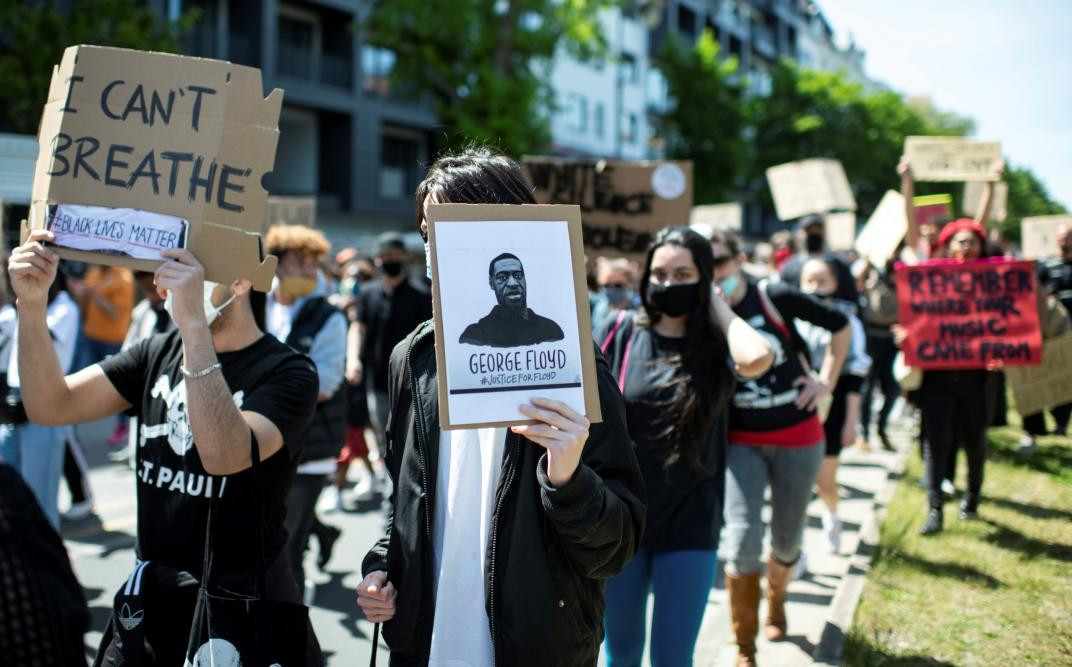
<point>63,320</point>
<point>470,464</point>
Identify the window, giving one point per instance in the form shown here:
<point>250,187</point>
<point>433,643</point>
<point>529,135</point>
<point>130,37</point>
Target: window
<point>686,22</point>
<point>376,67</point>
<point>630,128</point>
<point>630,68</point>
<point>298,49</point>
<point>575,111</point>
<point>401,154</point>
<point>597,120</point>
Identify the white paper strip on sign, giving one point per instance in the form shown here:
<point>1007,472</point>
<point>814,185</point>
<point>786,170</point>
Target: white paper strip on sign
<point>116,231</point>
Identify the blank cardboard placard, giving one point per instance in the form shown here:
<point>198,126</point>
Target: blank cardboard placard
<point>717,216</point>
<point>185,137</point>
<point>510,307</point>
<point>952,158</point>
<point>973,192</point>
<point>840,230</point>
<point>879,238</point>
<point>1038,235</point>
<point>818,185</point>
<point>1036,388</point>
<point>622,203</point>
<point>283,210</point>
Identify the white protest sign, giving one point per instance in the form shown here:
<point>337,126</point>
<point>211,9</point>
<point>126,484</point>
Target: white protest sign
<point>952,158</point>
<point>1038,235</point>
<point>973,194</point>
<point>879,238</point>
<point>840,229</point>
<point>116,231</point>
<point>716,216</point>
<point>818,185</point>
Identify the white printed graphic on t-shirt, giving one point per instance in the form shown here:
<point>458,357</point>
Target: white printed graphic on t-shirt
<point>177,427</point>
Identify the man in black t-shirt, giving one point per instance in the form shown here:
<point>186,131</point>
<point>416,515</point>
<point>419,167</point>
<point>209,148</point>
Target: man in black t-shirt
<point>206,396</point>
<point>387,311</point>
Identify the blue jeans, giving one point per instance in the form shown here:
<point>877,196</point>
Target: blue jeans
<point>37,453</point>
<point>790,472</point>
<point>91,352</point>
<point>680,581</point>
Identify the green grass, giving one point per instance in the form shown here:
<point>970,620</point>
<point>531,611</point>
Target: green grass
<point>997,591</point>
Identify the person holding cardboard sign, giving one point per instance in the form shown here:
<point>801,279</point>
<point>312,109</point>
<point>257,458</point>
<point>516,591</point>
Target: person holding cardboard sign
<point>499,541</point>
<point>209,397</point>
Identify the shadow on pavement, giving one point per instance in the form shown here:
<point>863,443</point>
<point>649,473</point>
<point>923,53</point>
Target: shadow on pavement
<point>332,595</point>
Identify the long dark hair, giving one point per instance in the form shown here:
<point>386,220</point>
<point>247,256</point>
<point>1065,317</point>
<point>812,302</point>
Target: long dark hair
<point>702,382</point>
<point>477,175</point>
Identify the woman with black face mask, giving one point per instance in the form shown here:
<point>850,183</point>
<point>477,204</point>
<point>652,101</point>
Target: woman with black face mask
<point>675,361</point>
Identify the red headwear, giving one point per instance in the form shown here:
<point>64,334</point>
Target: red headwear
<point>960,225</point>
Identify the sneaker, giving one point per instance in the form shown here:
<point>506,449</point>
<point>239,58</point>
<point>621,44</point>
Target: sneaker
<point>79,511</point>
<point>801,567</point>
<point>948,489</point>
<point>119,435</point>
<point>331,500</point>
<point>968,511</point>
<point>309,594</point>
<point>1027,444</point>
<point>832,532</point>
<point>933,524</point>
<point>327,545</point>
<point>119,454</point>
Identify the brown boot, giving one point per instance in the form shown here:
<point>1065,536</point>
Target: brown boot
<point>778,577</point>
<point>744,613</point>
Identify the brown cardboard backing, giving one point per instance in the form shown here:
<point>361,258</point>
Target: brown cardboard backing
<point>236,126</point>
<point>816,185</point>
<point>1036,388</point>
<point>535,213</point>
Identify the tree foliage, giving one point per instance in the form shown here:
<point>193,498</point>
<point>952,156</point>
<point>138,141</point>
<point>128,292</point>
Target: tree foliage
<point>486,63</point>
<point>35,35</point>
<point>1027,197</point>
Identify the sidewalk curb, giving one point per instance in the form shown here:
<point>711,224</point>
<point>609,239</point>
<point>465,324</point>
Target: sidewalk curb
<point>847,595</point>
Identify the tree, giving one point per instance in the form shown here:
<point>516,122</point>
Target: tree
<point>35,35</point>
<point>705,120</point>
<point>486,63</point>
<point>1027,197</point>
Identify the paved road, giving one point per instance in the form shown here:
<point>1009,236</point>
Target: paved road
<point>101,550</point>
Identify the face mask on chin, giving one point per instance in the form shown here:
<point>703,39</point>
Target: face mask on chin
<point>212,312</point>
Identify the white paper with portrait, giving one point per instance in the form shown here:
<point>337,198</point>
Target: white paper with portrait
<point>486,383</point>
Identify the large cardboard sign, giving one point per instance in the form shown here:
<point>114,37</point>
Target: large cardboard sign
<point>818,185</point>
<point>1038,235</point>
<point>930,209</point>
<point>879,238</point>
<point>511,312</point>
<point>717,216</point>
<point>973,194</point>
<point>840,230</point>
<point>1048,385</point>
<point>622,203</point>
<point>145,151</point>
<point>969,314</point>
<point>952,158</point>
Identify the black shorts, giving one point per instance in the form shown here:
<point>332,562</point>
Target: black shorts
<point>835,420</point>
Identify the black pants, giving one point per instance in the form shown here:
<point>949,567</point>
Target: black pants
<point>882,351</point>
<point>955,413</point>
<point>1036,424</point>
<point>301,514</point>
<point>75,471</point>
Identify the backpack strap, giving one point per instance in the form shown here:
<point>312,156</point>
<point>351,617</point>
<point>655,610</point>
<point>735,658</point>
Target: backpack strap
<point>775,317</point>
<point>623,315</point>
<point>613,330</point>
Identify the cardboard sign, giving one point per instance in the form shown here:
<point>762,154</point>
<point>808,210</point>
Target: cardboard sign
<point>930,209</point>
<point>969,314</point>
<point>511,322</point>
<point>1048,385</point>
<point>716,216</point>
<point>840,230</point>
<point>952,158</point>
<point>973,194</point>
<point>622,203</point>
<point>290,211</point>
<point>879,238</point>
<point>818,185</point>
<point>142,138</point>
<point>1038,235</point>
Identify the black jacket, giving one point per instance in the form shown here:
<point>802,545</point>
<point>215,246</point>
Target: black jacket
<point>550,550</point>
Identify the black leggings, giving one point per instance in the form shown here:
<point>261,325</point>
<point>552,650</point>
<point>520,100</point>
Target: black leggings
<point>882,352</point>
<point>955,413</point>
<point>1036,424</point>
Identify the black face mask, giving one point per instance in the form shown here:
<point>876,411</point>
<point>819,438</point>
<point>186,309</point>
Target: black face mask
<point>391,269</point>
<point>674,300</point>
<point>813,243</point>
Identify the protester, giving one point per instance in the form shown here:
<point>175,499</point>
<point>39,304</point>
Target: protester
<point>539,515</point>
<point>818,279</point>
<point>879,311</point>
<point>387,310</point>
<point>675,360</point>
<point>617,281</point>
<point>300,315</point>
<point>811,232</point>
<point>208,395</point>
<point>785,246</point>
<point>34,447</point>
<point>776,439</point>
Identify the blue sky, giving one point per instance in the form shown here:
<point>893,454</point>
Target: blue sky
<point>1006,63</point>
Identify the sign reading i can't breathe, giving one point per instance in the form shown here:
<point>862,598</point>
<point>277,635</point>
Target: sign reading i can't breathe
<point>969,314</point>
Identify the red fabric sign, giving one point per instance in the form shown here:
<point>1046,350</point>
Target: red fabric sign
<point>969,314</point>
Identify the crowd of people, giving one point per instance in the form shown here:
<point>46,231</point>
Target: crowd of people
<point>728,372</point>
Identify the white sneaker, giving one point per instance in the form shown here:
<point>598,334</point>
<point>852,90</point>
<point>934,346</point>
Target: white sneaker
<point>309,594</point>
<point>832,532</point>
<point>801,568</point>
<point>948,488</point>
<point>79,511</point>
<point>330,500</point>
<point>1027,444</point>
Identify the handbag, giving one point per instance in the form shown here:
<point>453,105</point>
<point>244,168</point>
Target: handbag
<point>233,629</point>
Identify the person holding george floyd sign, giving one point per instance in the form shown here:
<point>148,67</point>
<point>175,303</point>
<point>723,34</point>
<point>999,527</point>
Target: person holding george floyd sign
<point>549,510</point>
<point>677,361</point>
<point>776,439</point>
<point>209,397</point>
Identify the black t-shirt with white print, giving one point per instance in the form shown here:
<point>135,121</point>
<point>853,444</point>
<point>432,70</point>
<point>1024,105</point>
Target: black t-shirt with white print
<point>173,489</point>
